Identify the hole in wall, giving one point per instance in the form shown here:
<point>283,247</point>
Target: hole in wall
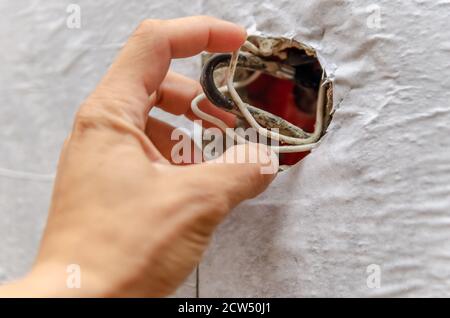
<point>296,101</point>
<point>295,94</point>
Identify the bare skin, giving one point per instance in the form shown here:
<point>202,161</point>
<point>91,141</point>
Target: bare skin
<point>136,224</point>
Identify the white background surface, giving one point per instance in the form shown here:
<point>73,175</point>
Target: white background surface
<point>376,191</point>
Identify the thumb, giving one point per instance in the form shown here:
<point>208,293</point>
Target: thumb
<point>242,172</point>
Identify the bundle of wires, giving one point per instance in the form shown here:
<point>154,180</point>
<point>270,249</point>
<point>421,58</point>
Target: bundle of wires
<point>286,144</point>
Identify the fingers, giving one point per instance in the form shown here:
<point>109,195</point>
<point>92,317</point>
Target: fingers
<point>144,61</point>
<point>175,94</point>
<point>242,173</point>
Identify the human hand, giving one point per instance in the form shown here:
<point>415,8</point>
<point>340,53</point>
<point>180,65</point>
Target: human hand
<point>136,224</point>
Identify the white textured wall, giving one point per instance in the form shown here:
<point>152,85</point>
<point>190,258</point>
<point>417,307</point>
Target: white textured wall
<point>376,191</point>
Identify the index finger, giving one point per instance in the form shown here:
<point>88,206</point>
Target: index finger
<point>144,61</point>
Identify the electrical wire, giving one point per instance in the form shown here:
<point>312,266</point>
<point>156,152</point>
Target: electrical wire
<point>230,132</point>
<point>243,107</point>
<point>293,144</point>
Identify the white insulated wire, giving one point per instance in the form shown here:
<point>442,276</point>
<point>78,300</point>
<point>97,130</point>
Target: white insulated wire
<point>263,131</point>
<point>230,132</point>
<point>295,144</point>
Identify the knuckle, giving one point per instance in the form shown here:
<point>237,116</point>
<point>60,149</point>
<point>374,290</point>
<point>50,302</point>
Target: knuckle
<point>147,26</point>
<point>148,37</point>
<point>86,118</point>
